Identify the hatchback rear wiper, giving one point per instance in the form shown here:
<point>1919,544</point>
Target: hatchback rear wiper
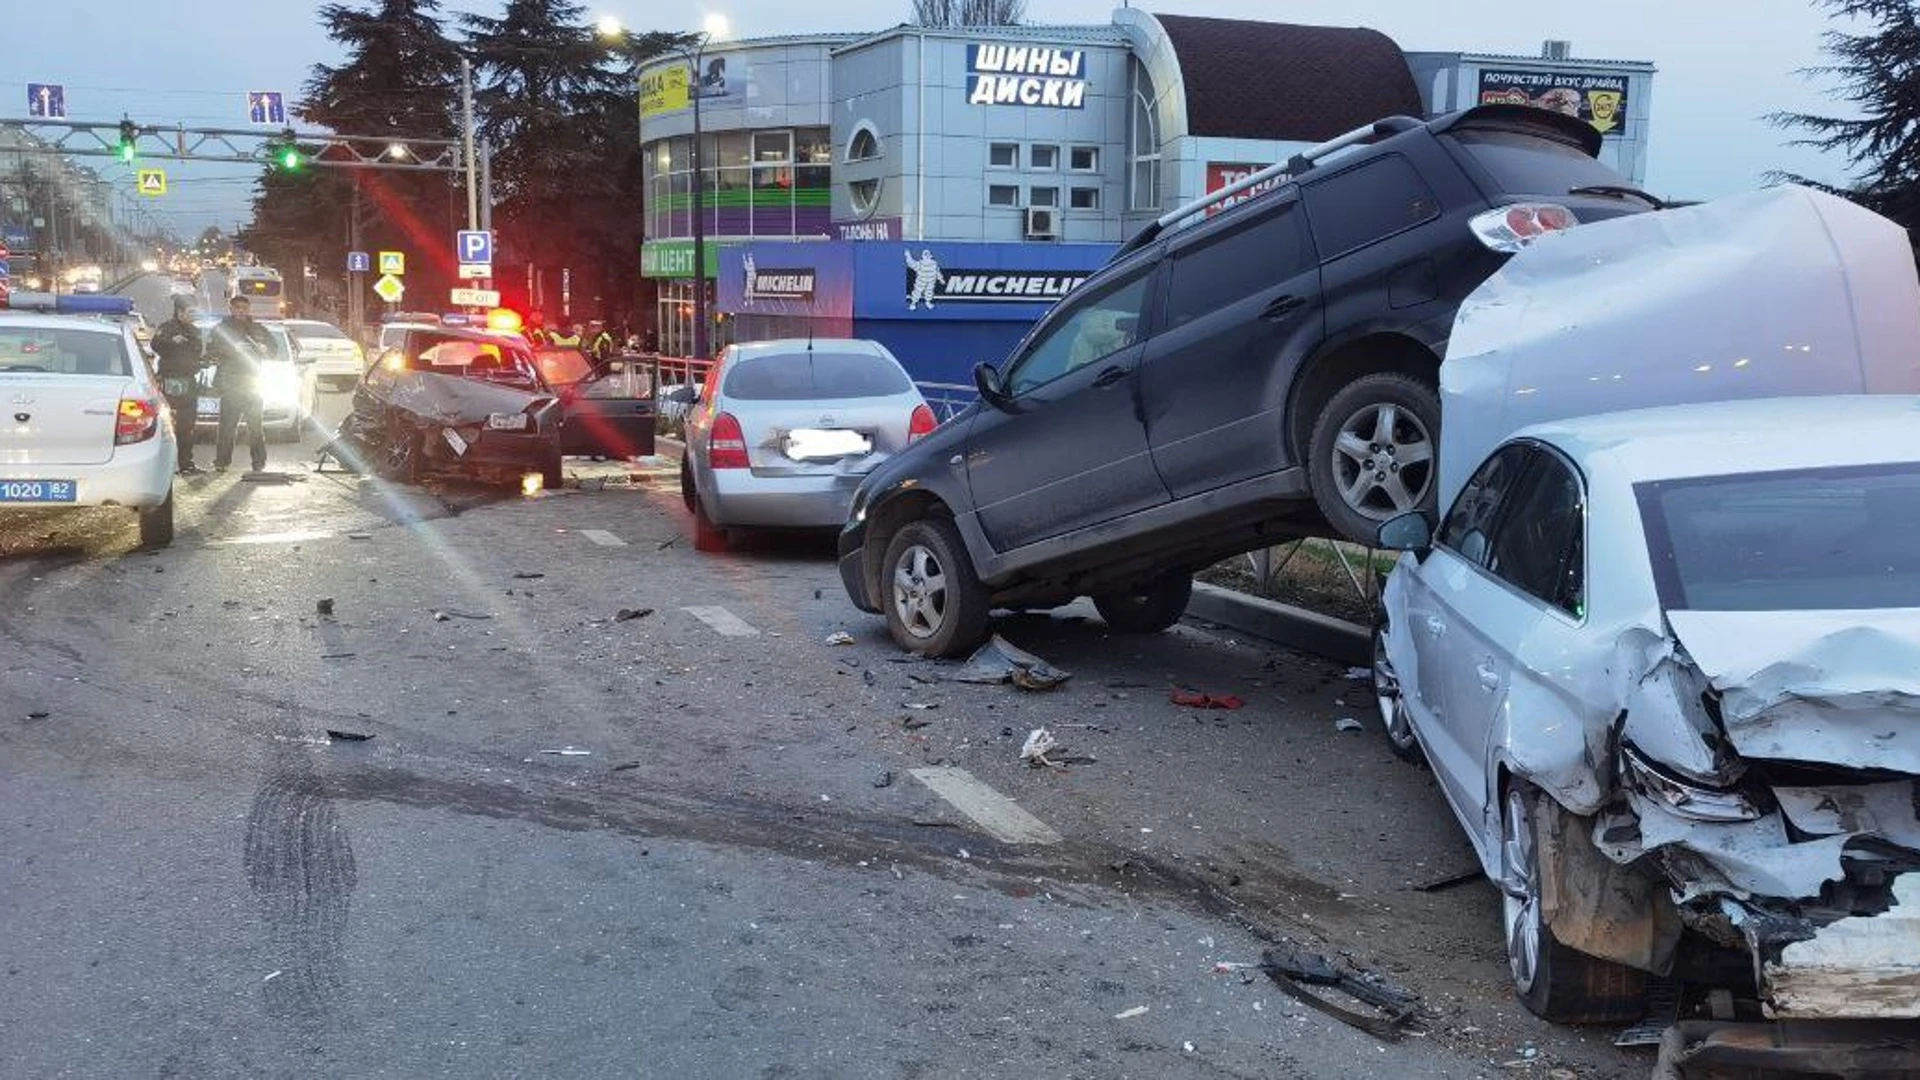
<point>1621,189</point>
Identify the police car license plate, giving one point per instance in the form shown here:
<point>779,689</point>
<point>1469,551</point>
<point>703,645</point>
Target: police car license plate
<point>39,491</point>
<point>209,406</point>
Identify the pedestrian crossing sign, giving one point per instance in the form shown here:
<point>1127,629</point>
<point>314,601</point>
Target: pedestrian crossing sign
<point>393,262</point>
<point>152,181</point>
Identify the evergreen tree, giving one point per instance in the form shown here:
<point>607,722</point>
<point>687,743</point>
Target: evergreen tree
<point>1879,74</point>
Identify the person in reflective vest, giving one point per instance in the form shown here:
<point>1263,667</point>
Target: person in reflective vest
<point>568,340</point>
<point>600,343</point>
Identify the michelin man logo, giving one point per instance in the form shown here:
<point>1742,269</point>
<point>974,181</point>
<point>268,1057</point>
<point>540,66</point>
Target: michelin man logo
<point>747,290</point>
<point>926,276</point>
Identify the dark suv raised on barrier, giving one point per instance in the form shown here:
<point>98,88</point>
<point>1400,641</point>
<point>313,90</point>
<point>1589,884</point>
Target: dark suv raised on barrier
<point>1268,371</point>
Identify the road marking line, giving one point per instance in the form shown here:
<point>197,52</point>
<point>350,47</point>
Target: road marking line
<point>297,537</point>
<point>724,622</point>
<point>1001,817</point>
<point>603,538</point>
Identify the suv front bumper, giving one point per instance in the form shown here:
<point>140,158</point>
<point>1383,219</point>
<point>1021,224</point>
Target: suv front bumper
<point>853,559</point>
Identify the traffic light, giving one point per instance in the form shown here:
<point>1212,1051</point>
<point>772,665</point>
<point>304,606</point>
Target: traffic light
<point>125,147</point>
<point>284,153</point>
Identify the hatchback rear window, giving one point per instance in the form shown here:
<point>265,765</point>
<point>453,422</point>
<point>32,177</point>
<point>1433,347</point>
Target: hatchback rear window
<point>25,350</point>
<point>1522,164</point>
<point>1836,539</point>
<point>806,375</point>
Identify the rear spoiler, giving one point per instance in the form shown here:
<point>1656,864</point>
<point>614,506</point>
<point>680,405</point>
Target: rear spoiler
<point>1293,166</point>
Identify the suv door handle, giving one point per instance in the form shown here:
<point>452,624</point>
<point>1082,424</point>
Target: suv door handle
<point>1281,306</point>
<point>1489,678</point>
<point>1109,376</point>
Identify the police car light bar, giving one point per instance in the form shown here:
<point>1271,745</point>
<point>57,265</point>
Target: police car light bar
<point>1293,166</point>
<point>70,304</point>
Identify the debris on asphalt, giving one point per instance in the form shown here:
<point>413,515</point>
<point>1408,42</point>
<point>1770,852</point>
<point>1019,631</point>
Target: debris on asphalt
<point>359,536</point>
<point>630,614</point>
<point>1358,674</point>
<point>999,662</point>
<point>443,616</point>
<point>869,678</point>
<point>568,752</point>
<point>1128,1014</point>
<point>323,606</point>
<point>1441,884</point>
<point>347,736</point>
<point>38,715</point>
<point>839,637</point>
<point>914,723</point>
<point>1294,970</point>
<point>526,575</point>
<point>1347,723</point>
<point>271,975</point>
<point>921,706</point>
<point>624,766</point>
<point>885,779</point>
<point>1195,699</point>
<point>667,543</point>
<point>337,655</point>
<point>1039,743</point>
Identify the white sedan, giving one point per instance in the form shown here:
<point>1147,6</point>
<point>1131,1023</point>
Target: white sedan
<point>82,422</point>
<point>337,359</point>
<point>1665,665</point>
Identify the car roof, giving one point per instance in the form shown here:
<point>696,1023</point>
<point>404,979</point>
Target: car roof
<point>1728,437</point>
<point>35,321</point>
<point>780,346</point>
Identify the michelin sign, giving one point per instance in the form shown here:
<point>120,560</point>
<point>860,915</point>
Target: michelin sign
<point>1026,75</point>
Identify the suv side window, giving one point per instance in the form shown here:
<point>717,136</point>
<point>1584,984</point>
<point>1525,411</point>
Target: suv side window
<point>1357,207</point>
<point>1470,525</point>
<point>1539,545</point>
<point>1098,327</point>
<point>1229,266</point>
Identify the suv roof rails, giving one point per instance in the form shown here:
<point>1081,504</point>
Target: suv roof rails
<point>1293,166</point>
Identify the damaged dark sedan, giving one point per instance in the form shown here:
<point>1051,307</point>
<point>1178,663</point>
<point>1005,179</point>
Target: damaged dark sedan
<point>486,406</point>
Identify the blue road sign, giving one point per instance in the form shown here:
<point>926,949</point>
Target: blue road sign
<point>359,262</point>
<point>47,101</point>
<point>266,107</point>
<point>16,238</point>
<point>473,246</point>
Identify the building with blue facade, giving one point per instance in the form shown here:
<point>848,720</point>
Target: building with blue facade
<point>937,190</point>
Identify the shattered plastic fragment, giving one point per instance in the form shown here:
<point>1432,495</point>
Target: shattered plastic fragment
<point>1195,699</point>
<point>999,661</point>
<point>1346,723</point>
<point>568,752</point>
<point>347,736</point>
<point>839,637</point>
<point>1034,750</point>
<point>1128,1014</point>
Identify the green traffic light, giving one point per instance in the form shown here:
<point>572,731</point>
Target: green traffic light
<point>126,152</point>
<point>290,159</point>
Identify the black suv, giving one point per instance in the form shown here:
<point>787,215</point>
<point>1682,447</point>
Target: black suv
<point>1265,374</point>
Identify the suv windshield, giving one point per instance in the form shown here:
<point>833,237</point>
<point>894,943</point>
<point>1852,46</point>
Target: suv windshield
<point>62,352</point>
<point>802,376</point>
<point>1838,539</point>
<point>1522,164</point>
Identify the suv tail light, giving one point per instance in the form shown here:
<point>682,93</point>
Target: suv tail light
<point>137,421</point>
<point>726,446</point>
<point>922,424</point>
<point>1510,228</point>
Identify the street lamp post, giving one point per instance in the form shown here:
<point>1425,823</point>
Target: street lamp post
<point>699,209</point>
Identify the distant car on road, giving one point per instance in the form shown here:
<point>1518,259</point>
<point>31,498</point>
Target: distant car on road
<point>88,424</point>
<point>785,431</point>
<point>337,359</point>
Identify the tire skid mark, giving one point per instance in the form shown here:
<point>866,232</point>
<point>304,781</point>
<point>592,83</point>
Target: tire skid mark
<point>301,870</point>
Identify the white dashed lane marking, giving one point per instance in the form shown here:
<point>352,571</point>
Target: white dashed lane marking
<point>603,538</point>
<point>1001,817</point>
<point>724,622</point>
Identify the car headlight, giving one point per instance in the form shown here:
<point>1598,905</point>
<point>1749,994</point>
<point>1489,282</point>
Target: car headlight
<point>280,387</point>
<point>1687,798</point>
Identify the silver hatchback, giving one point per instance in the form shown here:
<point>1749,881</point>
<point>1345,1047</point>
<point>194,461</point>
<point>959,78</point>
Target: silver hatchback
<point>785,431</point>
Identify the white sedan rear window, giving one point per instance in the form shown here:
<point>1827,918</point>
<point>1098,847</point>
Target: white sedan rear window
<point>31,350</point>
<point>815,376</point>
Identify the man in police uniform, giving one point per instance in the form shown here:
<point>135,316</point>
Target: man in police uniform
<point>178,346</point>
<point>237,347</point>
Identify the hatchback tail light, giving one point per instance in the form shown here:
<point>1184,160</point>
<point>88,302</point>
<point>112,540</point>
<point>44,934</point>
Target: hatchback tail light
<point>137,421</point>
<point>922,424</point>
<point>1510,228</point>
<point>726,445</point>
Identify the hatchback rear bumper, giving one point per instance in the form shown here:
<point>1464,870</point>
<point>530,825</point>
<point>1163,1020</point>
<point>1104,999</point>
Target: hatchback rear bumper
<point>797,502</point>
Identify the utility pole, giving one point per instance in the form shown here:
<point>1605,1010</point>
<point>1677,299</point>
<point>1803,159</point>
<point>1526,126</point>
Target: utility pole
<point>466,139</point>
<point>699,214</point>
<point>356,302</point>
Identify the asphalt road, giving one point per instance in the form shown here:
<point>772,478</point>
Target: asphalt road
<point>729,869</point>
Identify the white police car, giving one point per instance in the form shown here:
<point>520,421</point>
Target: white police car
<point>82,419</point>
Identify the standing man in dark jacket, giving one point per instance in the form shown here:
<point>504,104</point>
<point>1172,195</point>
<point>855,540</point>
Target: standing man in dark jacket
<point>178,346</point>
<point>237,347</point>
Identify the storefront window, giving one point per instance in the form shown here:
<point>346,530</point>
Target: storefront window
<point>676,319</point>
<point>759,183</point>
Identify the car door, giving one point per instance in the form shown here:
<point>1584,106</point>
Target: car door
<point>607,413</point>
<point>1439,599</point>
<point>1242,306</point>
<point>1070,449</point>
<point>1515,625</point>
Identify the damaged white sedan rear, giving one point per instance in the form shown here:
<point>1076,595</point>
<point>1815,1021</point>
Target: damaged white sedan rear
<point>1666,667</point>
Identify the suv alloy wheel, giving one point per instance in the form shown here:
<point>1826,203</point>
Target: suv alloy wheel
<point>1374,452</point>
<point>935,606</point>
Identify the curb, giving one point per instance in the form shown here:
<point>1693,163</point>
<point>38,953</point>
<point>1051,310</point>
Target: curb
<point>1283,624</point>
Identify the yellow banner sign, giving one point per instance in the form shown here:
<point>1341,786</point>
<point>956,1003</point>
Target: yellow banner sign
<point>663,91</point>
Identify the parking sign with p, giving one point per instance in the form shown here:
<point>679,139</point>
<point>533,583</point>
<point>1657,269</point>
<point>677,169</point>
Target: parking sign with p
<point>473,246</point>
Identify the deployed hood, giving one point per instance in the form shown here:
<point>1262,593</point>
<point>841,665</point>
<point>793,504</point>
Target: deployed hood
<point>1775,293</point>
<point>1835,687</point>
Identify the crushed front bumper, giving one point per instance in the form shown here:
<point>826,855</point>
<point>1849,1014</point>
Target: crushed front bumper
<point>1859,1050</point>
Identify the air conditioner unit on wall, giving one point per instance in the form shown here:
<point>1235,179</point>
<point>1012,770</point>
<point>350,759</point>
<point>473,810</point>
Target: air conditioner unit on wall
<point>1043,223</point>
